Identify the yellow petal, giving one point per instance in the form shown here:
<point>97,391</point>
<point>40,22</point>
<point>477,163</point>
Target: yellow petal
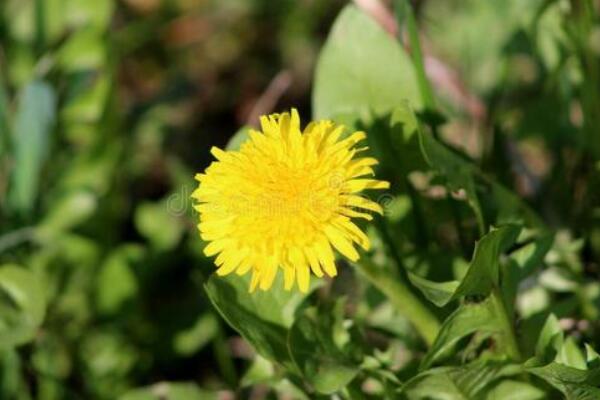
<point>313,261</point>
<point>215,247</point>
<point>358,185</point>
<point>288,276</point>
<point>218,153</point>
<point>354,231</point>
<point>244,267</point>
<point>268,276</point>
<point>303,276</point>
<point>326,256</point>
<point>362,202</point>
<point>254,281</point>
<point>339,241</point>
<point>355,214</point>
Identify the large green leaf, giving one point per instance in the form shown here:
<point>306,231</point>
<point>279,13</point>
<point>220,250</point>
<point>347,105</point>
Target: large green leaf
<point>482,275</point>
<point>22,305</point>
<point>263,318</point>
<point>361,69</point>
<point>33,124</point>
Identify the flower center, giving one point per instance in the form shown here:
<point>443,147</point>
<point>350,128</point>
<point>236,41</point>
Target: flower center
<point>287,202</point>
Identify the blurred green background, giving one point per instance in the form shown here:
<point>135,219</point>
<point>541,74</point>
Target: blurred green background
<point>108,108</point>
<point>112,107</point>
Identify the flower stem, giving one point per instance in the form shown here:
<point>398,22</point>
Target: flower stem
<point>506,325</point>
<point>402,299</point>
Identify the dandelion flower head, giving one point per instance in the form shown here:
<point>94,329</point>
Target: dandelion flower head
<point>285,201</point>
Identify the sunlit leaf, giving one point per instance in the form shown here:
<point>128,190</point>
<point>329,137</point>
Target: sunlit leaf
<point>33,125</point>
<point>512,389</point>
<point>263,318</point>
<point>361,69</point>
<point>116,282</point>
<point>22,304</point>
<point>193,339</point>
<point>160,225</point>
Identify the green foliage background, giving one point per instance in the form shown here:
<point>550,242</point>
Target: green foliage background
<point>483,281</point>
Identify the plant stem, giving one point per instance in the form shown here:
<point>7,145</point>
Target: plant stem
<point>510,341</point>
<point>402,298</point>
<point>404,10</point>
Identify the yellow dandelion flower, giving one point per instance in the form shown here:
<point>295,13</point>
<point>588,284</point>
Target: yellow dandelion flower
<point>284,200</point>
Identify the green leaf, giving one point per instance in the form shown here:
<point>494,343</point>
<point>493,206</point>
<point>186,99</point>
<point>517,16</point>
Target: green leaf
<point>570,355</point>
<point>462,174</point>
<point>263,318</point>
<point>157,224</point>
<point>322,349</point>
<point>22,305</point>
<point>96,14</point>
<point>560,363</point>
<point>575,384</point>
<point>70,211</point>
<point>394,141</point>
<point>482,275</point>
<point>510,389</point>
<point>86,100</point>
<point>550,340</point>
<point>405,127</point>
<point>261,371</point>
<point>170,391</point>
<point>83,50</point>
<point>33,124</point>
<point>466,320</point>
<point>362,69</point>
<point>521,263</point>
<point>467,382</point>
<point>193,339</point>
<point>592,358</point>
<point>459,172</point>
<point>116,282</point>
